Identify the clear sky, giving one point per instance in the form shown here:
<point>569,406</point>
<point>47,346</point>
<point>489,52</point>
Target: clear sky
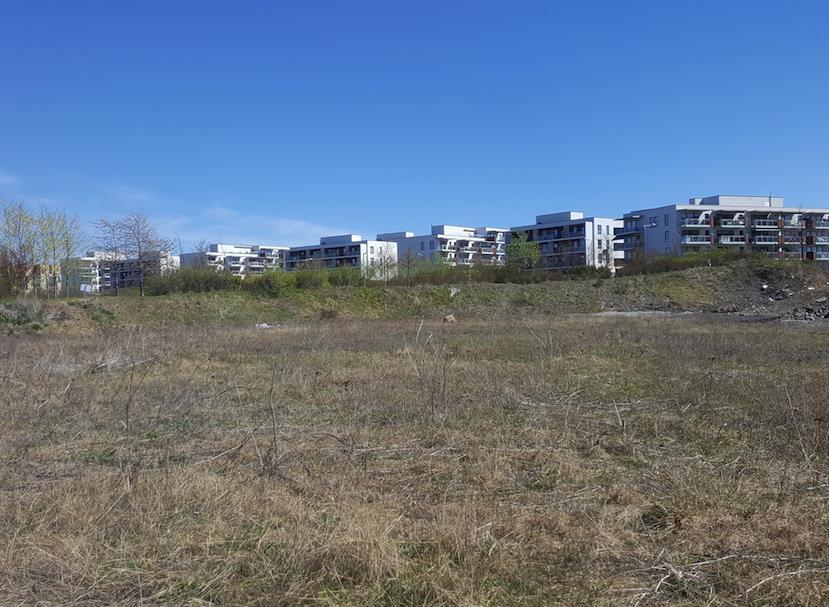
<point>279,122</point>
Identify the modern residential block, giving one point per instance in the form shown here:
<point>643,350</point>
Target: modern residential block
<point>100,272</point>
<point>127,273</point>
<point>454,245</point>
<point>756,223</point>
<point>375,258</point>
<point>89,274</point>
<point>569,239</point>
<point>237,259</point>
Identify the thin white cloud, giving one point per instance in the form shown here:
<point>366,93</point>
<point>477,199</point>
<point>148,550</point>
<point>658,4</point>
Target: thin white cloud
<point>7,178</point>
<point>130,194</point>
<point>222,224</point>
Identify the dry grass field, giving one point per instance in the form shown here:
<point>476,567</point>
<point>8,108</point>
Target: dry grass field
<point>540,460</point>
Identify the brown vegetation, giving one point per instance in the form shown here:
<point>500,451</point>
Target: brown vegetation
<point>560,460</point>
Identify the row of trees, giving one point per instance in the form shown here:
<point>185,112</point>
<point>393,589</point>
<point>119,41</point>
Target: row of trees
<point>39,248</point>
<point>34,245</point>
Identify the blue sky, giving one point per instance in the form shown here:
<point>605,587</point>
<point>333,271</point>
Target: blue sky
<point>283,121</point>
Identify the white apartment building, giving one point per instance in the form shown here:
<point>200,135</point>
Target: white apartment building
<point>97,272</point>
<point>89,274</point>
<point>569,239</point>
<point>745,223</point>
<point>375,258</point>
<point>237,259</point>
<point>454,245</point>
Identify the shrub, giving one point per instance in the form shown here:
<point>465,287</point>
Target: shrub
<point>310,278</point>
<point>653,264</point>
<point>271,283</point>
<point>192,280</point>
<point>21,312</point>
<point>345,277</point>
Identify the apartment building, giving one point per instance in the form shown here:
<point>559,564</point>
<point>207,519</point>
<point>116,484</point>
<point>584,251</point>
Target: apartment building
<point>745,223</point>
<point>569,239</point>
<point>454,245</point>
<point>237,259</point>
<point>97,272</point>
<point>375,258</point>
<point>88,274</point>
<point>127,273</point>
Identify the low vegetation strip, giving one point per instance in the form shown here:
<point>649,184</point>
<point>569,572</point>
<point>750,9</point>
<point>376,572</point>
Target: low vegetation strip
<point>749,286</point>
<point>539,460</point>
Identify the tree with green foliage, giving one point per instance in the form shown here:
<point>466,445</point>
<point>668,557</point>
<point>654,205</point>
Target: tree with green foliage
<point>523,253</point>
<point>18,244</point>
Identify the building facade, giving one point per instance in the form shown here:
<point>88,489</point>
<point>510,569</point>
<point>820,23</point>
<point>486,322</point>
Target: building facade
<point>236,259</point>
<point>453,245</point>
<point>88,275</point>
<point>570,240</point>
<point>128,273</point>
<point>375,258</point>
<point>745,223</point>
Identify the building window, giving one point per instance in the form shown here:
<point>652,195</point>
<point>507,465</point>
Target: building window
<point>431,245</point>
<point>654,221</point>
<point>667,220</point>
<point>667,236</point>
<point>599,229</point>
<point>371,249</point>
<point>422,245</point>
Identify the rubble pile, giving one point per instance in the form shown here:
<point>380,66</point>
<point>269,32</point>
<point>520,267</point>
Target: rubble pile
<point>819,310</point>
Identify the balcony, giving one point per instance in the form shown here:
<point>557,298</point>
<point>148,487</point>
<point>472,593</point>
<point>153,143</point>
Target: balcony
<point>732,223</point>
<point>732,240</point>
<point>695,223</point>
<point>765,224</point>
<point>698,240</point>
<point>766,240</point>
<point>822,225</point>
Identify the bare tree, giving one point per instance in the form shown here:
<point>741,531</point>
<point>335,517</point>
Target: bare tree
<point>385,263</point>
<point>141,244</point>
<point>409,264</point>
<point>203,247</point>
<point>71,239</point>
<point>108,247</point>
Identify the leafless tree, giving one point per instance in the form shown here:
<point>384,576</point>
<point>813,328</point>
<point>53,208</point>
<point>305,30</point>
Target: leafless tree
<point>409,263</point>
<point>202,246</point>
<point>385,263</point>
<point>108,247</point>
<point>72,238</point>
<point>142,245</point>
<point>134,237</point>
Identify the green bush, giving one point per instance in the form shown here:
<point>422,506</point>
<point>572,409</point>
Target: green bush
<point>272,284</point>
<point>345,277</point>
<point>310,278</point>
<point>21,312</point>
<point>192,280</point>
<point>654,264</point>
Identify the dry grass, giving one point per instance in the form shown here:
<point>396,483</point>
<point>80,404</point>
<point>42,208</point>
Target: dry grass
<point>564,460</point>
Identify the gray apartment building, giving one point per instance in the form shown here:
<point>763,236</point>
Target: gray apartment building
<point>745,223</point>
